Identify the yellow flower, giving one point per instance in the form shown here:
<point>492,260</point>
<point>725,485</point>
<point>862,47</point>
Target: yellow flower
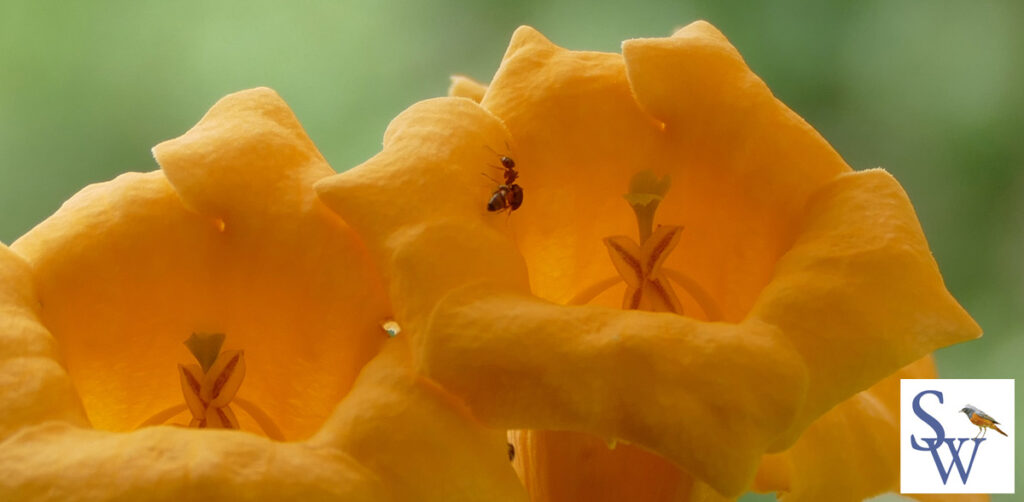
<point>799,281</point>
<point>228,237</point>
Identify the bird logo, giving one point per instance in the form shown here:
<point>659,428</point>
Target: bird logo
<point>983,420</point>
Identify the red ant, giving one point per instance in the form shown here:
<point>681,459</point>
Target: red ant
<point>509,194</point>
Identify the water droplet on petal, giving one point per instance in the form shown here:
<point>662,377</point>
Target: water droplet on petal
<point>391,327</point>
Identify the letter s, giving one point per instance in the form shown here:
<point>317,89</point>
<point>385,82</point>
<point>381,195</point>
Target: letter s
<point>940,432</point>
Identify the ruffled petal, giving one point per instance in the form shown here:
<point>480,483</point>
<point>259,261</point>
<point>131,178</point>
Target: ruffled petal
<point>34,387</point>
<point>247,156</point>
<point>455,276</point>
<point>557,466</point>
<point>853,449</point>
<point>396,437</point>
<point>465,87</point>
<point>721,117</point>
<point>419,439</point>
<point>578,136</point>
<point>421,205</point>
<point>743,163</point>
<point>664,382</point>
<point>126,271</point>
<point>673,385</point>
<point>859,294</point>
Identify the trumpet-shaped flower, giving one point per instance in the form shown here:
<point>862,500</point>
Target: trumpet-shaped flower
<point>769,284</point>
<point>229,238</point>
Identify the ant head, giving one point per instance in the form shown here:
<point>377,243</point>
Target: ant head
<point>507,162</point>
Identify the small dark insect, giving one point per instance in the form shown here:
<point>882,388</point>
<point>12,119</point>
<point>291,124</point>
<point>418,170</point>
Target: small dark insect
<point>508,195</point>
<point>511,452</point>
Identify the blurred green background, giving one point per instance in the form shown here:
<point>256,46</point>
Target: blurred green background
<point>932,91</point>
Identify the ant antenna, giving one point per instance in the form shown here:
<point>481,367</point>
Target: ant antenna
<point>495,152</point>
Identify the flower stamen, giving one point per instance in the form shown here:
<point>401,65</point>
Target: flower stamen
<point>210,388</point>
<point>640,266</point>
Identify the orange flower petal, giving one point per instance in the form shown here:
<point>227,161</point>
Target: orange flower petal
<point>34,387</point>
<point>447,455</point>
<point>395,437</point>
<point>557,466</point>
<point>853,449</point>
<point>126,271</point>
<point>674,385</point>
<point>724,121</point>
<point>664,382</point>
<point>439,202</point>
<point>248,156</point>
<point>578,136</point>
<point>859,292</point>
<point>465,87</point>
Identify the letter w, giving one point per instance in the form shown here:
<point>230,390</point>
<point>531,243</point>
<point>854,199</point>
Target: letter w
<point>956,457</point>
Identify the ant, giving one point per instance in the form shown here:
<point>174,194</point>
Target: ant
<point>509,195</point>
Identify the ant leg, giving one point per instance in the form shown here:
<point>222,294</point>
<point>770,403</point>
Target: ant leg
<point>485,175</point>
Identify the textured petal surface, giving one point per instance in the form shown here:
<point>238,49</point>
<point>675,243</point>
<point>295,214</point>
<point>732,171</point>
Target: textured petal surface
<point>822,276</point>
<point>628,375</point>
<point>126,271</point>
<point>228,238</point>
<point>579,136</point>
<point>859,292</point>
<point>396,437</point>
<point>34,387</point>
<point>465,87</point>
<point>419,439</point>
<point>557,466</point>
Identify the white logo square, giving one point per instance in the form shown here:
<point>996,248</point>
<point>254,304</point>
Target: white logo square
<point>949,436</point>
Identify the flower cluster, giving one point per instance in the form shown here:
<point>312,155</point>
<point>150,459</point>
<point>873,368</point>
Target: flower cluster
<point>752,336</point>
